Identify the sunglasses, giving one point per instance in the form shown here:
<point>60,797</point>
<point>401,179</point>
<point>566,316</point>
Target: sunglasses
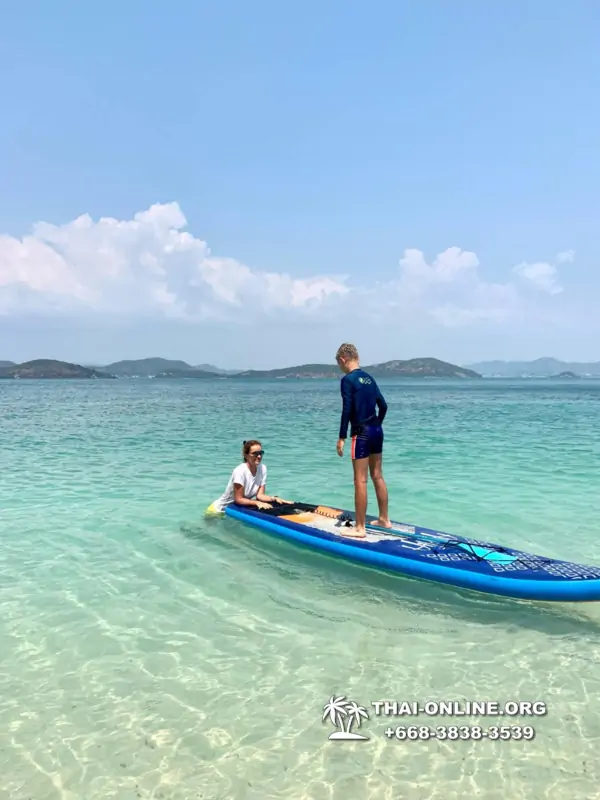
<point>258,453</point>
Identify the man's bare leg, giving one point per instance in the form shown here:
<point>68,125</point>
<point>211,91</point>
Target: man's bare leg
<point>375,468</point>
<point>361,478</point>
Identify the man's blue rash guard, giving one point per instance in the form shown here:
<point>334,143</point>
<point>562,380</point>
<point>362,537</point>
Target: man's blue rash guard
<point>360,400</point>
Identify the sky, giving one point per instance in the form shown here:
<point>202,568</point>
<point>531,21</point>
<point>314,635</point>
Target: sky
<point>251,184</point>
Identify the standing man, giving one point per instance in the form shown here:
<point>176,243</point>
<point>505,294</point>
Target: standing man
<point>361,399</point>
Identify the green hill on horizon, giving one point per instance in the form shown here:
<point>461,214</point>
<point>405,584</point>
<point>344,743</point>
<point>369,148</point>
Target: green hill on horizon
<point>50,369</point>
<point>144,367</point>
<point>162,368</point>
<point>155,366</point>
<point>545,367</point>
<point>413,367</point>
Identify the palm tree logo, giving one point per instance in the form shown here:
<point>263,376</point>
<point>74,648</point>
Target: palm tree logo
<point>340,710</point>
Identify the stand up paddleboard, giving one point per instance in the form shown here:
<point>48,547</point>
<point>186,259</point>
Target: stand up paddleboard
<point>428,554</point>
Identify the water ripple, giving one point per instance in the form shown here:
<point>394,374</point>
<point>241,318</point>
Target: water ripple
<point>148,653</point>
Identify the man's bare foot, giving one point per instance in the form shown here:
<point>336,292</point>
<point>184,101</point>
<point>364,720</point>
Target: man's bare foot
<point>383,523</point>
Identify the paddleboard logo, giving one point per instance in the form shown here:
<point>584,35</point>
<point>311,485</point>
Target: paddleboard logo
<point>343,714</point>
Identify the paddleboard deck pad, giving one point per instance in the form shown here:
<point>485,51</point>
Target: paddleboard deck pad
<point>427,554</point>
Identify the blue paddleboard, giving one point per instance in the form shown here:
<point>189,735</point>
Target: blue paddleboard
<point>431,555</point>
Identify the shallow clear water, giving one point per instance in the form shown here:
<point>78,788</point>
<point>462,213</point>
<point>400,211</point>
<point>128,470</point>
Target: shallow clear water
<point>148,653</point>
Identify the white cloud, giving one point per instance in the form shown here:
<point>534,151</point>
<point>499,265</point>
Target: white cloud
<point>451,265</point>
<point>151,266</point>
<point>449,291</point>
<point>541,275</point>
<point>148,265</point>
<point>565,256</point>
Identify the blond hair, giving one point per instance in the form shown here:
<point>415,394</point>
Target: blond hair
<point>347,351</point>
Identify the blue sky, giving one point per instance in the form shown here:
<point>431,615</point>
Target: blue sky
<point>419,178</point>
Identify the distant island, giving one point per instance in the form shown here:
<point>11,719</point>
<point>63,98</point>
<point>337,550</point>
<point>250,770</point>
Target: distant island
<point>168,369</point>
<point>539,368</point>
<point>566,375</point>
<point>47,368</point>
<point>411,368</point>
<point>160,368</point>
<point>163,367</point>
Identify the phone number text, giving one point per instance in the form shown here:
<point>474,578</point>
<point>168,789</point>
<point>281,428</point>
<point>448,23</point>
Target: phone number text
<point>451,733</point>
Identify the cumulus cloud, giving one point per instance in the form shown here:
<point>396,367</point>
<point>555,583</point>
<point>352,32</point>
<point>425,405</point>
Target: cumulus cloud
<point>148,264</point>
<point>449,266</point>
<point>565,256</point>
<point>151,266</point>
<point>541,274</point>
<point>450,290</point>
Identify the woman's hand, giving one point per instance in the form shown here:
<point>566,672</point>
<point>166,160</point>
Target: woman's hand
<point>275,499</point>
<point>261,505</point>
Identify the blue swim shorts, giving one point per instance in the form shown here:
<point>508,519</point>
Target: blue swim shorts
<point>367,442</point>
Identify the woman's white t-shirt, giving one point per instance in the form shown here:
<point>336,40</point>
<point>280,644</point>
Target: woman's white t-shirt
<point>250,482</point>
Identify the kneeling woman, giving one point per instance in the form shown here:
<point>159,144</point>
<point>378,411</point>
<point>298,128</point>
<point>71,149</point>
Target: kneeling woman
<point>247,483</point>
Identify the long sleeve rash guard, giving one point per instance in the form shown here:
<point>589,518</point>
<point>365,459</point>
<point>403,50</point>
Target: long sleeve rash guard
<point>361,398</point>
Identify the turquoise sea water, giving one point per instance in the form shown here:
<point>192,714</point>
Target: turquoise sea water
<point>146,653</point>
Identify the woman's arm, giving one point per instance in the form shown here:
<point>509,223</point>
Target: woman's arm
<point>266,498</point>
<point>240,500</point>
